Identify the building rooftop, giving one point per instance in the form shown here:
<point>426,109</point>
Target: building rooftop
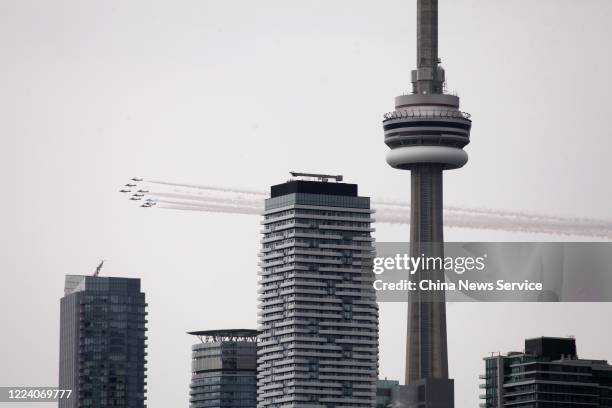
<point>313,187</point>
<point>79,283</point>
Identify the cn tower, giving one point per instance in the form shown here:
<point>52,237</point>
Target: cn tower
<point>426,134</point>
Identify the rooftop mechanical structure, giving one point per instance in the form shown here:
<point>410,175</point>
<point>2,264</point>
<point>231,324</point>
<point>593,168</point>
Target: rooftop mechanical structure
<point>426,134</point>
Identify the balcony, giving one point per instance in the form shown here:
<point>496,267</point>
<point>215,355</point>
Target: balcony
<point>426,114</point>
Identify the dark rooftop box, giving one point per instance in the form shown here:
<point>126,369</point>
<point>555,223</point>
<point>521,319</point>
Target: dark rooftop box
<point>313,187</point>
<point>552,348</point>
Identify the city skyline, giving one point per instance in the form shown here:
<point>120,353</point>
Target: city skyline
<point>226,358</point>
<point>87,106</point>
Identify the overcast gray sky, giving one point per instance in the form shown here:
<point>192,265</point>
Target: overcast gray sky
<point>237,93</point>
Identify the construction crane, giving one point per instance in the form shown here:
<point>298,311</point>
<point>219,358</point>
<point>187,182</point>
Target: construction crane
<point>99,268</point>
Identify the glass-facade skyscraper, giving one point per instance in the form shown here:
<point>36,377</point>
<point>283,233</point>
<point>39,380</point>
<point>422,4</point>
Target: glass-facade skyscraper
<point>546,374</point>
<point>224,369</point>
<point>102,342</point>
<point>317,308</point>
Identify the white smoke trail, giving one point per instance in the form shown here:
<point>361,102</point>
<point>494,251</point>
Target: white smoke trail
<point>200,187</point>
<point>205,198</point>
<point>209,209</point>
<point>388,202</point>
<point>228,200</point>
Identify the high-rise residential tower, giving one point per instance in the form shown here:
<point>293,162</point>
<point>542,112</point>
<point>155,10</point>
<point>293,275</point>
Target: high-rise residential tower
<point>426,134</point>
<point>102,342</point>
<point>318,314</point>
<point>546,374</point>
<point>224,369</point>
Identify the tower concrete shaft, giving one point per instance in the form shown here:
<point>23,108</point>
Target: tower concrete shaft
<point>426,349</point>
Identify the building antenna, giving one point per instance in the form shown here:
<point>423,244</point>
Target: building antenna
<point>99,268</point>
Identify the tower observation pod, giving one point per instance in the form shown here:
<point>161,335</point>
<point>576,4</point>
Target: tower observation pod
<point>426,134</point>
<point>427,129</point>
